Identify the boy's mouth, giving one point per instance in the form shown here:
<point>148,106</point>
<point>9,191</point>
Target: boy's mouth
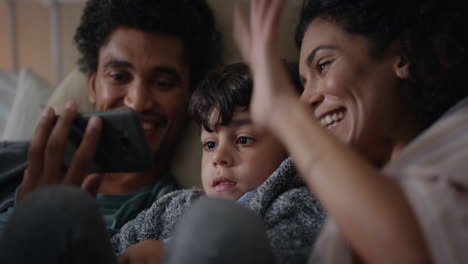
<point>222,184</point>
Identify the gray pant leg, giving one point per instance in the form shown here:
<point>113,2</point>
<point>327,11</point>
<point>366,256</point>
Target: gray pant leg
<point>56,224</point>
<point>219,231</point>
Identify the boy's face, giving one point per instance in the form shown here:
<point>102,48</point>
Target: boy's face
<point>238,158</point>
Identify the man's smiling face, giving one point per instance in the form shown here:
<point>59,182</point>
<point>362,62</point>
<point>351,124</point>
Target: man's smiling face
<point>147,73</point>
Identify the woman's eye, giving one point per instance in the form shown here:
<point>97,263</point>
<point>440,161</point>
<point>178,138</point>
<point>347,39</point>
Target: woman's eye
<point>209,145</point>
<point>323,66</point>
<point>244,140</point>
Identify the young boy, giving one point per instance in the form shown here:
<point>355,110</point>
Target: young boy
<point>237,164</point>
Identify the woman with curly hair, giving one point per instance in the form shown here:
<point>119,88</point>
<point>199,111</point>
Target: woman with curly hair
<point>376,74</point>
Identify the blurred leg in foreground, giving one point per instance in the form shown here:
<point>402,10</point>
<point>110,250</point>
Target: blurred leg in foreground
<point>56,224</point>
<point>219,231</point>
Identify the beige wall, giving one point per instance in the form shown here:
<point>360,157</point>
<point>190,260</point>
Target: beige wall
<point>224,12</point>
<point>4,41</point>
<point>34,34</point>
<point>34,37</point>
<point>71,14</point>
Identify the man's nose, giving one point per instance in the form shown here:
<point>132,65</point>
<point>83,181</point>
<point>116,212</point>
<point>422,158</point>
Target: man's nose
<point>139,97</point>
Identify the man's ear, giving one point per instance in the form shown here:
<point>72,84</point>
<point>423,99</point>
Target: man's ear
<point>91,89</point>
<point>401,67</point>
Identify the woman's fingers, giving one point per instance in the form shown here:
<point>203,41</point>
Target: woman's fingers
<point>55,148</point>
<point>261,10</point>
<point>242,34</point>
<point>261,34</point>
<point>84,156</point>
<point>272,19</point>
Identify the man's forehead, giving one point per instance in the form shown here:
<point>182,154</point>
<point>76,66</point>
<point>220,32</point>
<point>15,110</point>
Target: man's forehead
<point>134,47</point>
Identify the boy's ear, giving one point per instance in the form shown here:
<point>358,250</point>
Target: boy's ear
<point>401,67</point>
<point>91,87</point>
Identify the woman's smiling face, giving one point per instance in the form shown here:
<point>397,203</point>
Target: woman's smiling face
<point>354,95</point>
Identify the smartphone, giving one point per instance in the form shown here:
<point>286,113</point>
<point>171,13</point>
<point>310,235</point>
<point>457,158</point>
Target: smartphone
<point>122,146</point>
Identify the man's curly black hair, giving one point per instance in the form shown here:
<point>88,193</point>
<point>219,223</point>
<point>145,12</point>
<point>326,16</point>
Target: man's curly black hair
<point>433,35</point>
<point>190,20</point>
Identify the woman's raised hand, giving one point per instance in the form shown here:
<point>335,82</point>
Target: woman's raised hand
<point>258,45</point>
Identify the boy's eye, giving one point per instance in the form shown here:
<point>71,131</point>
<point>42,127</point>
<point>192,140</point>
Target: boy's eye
<point>244,140</point>
<point>209,145</point>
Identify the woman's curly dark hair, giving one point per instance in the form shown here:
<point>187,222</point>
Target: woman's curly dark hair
<point>190,20</point>
<point>433,35</point>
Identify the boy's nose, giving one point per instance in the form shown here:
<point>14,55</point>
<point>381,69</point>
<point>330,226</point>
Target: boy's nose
<point>223,163</point>
<point>222,157</point>
<point>139,98</point>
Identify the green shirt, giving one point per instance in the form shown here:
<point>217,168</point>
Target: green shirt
<point>119,209</point>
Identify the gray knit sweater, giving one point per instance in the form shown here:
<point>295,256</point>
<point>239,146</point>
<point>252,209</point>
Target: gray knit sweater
<point>292,216</point>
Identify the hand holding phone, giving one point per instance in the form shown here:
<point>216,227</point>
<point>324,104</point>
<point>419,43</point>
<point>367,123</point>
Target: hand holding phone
<point>122,146</point>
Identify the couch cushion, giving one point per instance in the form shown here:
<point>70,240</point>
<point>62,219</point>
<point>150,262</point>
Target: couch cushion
<point>30,100</point>
<point>73,87</point>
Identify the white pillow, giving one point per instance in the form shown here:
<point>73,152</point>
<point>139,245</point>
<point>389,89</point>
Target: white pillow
<point>7,95</point>
<point>73,87</point>
<point>31,96</point>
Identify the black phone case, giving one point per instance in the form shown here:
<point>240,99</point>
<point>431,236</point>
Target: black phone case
<point>122,146</point>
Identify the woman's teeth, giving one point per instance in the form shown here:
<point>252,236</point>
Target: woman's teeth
<point>332,120</point>
<point>148,126</point>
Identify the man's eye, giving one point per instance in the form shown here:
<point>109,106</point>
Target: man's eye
<point>245,140</point>
<point>209,145</point>
<point>120,77</point>
<point>164,84</point>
